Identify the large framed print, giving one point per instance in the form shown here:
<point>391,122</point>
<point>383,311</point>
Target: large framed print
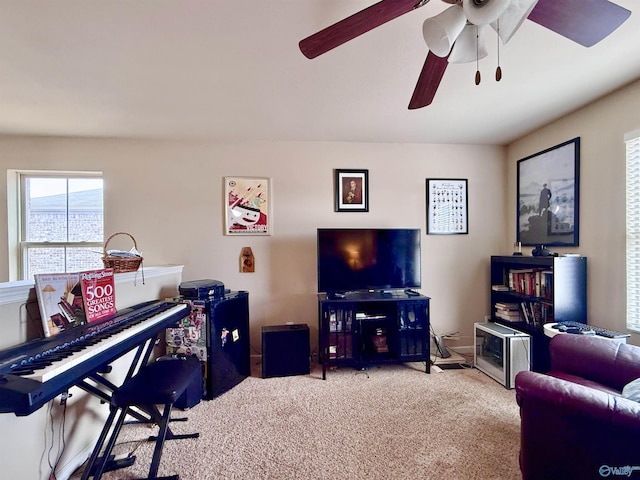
<point>549,196</point>
<point>247,206</point>
<point>447,206</point>
<point>351,190</point>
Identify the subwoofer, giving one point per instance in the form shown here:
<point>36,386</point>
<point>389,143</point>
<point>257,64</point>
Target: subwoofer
<point>285,350</point>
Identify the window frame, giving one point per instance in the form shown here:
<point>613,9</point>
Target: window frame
<point>632,230</point>
<point>19,263</point>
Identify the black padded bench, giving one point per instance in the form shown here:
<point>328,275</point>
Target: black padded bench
<point>159,383</point>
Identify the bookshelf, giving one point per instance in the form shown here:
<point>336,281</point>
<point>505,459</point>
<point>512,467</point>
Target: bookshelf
<point>527,292</point>
<point>367,328</point>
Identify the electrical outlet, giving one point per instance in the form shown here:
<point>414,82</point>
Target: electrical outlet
<point>64,397</point>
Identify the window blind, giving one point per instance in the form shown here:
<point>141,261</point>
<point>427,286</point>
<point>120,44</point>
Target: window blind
<point>632,141</point>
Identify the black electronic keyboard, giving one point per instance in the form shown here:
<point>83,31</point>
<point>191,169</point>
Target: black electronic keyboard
<point>570,326</point>
<point>33,373</point>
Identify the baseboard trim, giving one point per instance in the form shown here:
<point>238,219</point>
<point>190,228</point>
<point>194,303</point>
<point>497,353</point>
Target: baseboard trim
<point>75,462</point>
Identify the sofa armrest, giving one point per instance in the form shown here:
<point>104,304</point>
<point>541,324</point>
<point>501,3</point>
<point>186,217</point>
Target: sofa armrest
<point>600,360</point>
<point>572,431</point>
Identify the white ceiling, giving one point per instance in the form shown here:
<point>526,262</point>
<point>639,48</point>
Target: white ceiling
<point>232,70</point>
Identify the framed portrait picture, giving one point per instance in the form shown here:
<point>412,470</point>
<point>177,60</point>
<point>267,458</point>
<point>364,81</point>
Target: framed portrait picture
<point>548,196</point>
<point>447,206</point>
<point>351,190</point>
<point>247,205</point>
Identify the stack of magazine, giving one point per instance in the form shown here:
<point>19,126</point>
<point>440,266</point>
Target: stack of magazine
<point>67,300</point>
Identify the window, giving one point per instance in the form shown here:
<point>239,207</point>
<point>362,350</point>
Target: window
<point>633,230</point>
<point>61,223</point>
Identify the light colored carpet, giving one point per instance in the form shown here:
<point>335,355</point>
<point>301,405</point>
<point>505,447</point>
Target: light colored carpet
<point>393,422</point>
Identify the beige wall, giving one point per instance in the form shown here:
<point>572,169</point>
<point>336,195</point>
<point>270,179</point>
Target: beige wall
<point>169,196</point>
<point>601,127</point>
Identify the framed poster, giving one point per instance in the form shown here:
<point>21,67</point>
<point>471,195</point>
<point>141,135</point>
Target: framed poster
<point>351,190</point>
<point>447,206</point>
<point>548,196</point>
<point>247,202</point>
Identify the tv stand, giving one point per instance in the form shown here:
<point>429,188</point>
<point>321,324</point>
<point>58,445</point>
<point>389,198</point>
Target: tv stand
<point>363,328</point>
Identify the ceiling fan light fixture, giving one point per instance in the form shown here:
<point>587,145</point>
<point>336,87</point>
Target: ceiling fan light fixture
<point>470,45</point>
<point>515,14</point>
<point>484,12</point>
<point>441,31</point>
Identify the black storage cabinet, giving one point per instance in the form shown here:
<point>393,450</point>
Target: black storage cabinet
<point>227,334</point>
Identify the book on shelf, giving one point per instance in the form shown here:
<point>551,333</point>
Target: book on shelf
<point>508,311</point>
<point>506,305</point>
<point>546,284</point>
<point>537,314</point>
<point>515,318</point>
<point>533,282</point>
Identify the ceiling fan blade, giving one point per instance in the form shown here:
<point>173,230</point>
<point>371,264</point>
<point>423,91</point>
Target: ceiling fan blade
<point>584,21</point>
<point>429,81</point>
<point>355,25</point>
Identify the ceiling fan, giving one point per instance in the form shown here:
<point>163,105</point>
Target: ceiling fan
<point>456,35</point>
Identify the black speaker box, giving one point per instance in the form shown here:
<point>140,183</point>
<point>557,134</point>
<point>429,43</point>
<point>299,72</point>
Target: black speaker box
<point>285,350</point>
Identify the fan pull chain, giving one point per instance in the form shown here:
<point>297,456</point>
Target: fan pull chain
<point>478,77</point>
<point>498,69</point>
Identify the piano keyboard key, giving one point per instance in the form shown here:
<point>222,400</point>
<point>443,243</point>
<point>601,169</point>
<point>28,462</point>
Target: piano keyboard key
<point>64,361</point>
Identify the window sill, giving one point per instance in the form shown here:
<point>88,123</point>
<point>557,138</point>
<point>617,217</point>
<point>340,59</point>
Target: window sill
<point>13,292</point>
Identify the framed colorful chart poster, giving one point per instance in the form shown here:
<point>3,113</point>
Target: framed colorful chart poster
<point>447,205</point>
<point>247,206</point>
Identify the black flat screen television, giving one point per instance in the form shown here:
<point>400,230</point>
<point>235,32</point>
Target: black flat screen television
<point>368,259</point>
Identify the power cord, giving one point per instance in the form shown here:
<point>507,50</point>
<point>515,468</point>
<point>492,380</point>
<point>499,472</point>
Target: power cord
<point>468,359</point>
<point>61,436</point>
<point>526,349</point>
<point>31,306</point>
<point>438,340</point>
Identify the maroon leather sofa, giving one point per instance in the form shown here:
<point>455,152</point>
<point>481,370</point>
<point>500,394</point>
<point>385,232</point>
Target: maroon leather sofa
<point>574,422</point>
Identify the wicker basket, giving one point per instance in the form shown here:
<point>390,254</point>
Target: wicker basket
<point>121,264</point>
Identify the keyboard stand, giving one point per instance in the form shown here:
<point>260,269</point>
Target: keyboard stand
<point>159,383</point>
<point>105,393</point>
